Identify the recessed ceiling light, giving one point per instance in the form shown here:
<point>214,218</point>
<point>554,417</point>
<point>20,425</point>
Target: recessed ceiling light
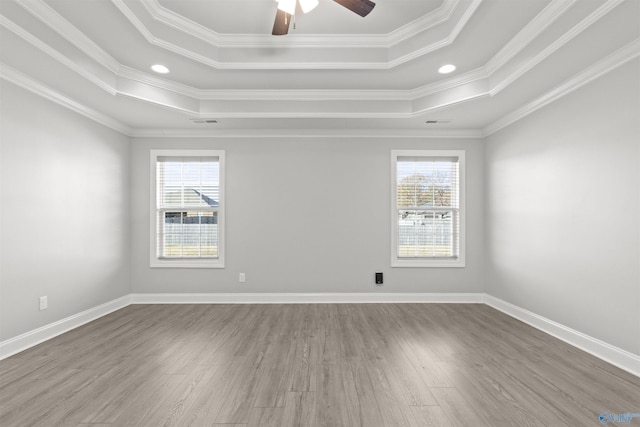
<point>160,69</point>
<point>446,69</point>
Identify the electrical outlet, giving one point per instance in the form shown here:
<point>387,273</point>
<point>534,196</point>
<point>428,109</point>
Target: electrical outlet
<point>242,278</point>
<point>379,279</point>
<point>44,303</point>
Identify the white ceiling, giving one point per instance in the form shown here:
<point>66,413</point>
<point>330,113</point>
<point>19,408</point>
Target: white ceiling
<point>335,73</point>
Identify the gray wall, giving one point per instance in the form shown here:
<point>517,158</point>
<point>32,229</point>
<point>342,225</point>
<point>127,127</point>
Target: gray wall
<point>64,217</point>
<point>563,210</point>
<point>557,230</point>
<point>306,215</point>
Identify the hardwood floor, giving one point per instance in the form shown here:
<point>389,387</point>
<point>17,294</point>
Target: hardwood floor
<point>310,365</point>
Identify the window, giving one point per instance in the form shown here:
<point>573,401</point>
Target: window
<point>427,208</point>
<point>187,208</point>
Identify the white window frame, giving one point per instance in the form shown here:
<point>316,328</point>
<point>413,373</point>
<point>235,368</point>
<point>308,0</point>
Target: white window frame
<point>155,261</point>
<point>397,261</point>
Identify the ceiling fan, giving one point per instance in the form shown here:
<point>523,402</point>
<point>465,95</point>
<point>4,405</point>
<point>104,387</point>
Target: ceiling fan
<point>287,9</point>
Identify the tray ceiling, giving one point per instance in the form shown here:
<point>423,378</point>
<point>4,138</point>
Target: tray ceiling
<point>335,71</point>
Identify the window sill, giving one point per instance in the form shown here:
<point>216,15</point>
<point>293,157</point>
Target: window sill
<point>187,263</point>
<point>428,263</point>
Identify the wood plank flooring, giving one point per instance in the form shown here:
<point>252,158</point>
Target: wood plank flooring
<point>310,365</point>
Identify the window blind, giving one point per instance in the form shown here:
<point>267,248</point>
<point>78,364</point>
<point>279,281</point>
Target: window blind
<point>428,207</point>
<point>188,202</point>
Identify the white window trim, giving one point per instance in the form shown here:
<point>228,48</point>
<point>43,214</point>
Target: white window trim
<point>156,262</point>
<point>400,262</point>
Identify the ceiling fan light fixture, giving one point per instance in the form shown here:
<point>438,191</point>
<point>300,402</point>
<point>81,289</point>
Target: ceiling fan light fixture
<point>308,5</point>
<point>287,6</point>
<point>285,13</point>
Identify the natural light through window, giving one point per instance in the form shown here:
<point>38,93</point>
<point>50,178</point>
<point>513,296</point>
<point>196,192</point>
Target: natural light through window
<point>428,216</point>
<point>187,209</point>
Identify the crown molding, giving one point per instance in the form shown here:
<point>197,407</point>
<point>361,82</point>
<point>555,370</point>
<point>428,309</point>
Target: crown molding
<point>178,22</point>
<point>275,94</point>
<point>50,17</point>
<point>383,42</point>
<point>11,75</point>
<point>309,133</point>
<point>171,19</point>
<point>305,94</point>
<point>606,65</point>
<point>529,33</point>
<point>453,35</point>
<point>424,23</point>
<point>149,37</point>
<point>618,58</point>
<point>48,50</point>
<point>559,7</point>
<point>556,45</point>
<point>610,63</point>
<point>14,76</point>
<point>54,20</point>
<point>190,100</point>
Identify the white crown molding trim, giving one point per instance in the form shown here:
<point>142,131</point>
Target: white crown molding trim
<point>606,65</point>
<point>472,77</point>
<point>32,338</point>
<point>609,63</point>
<point>529,33</point>
<point>306,95</point>
<point>152,39</point>
<point>426,22</point>
<point>185,25</point>
<point>616,356</point>
<point>48,50</point>
<point>46,14</point>
<point>49,93</point>
<point>309,133</point>
<point>54,20</point>
<point>26,82</point>
<point>555,46</point>
<point>149,37</point>
<point>307,298</point>
<point>178,22</point>
<point>169,18</point>
<point>264,94</point>
<point>440,44</point>
<point>545,18</point>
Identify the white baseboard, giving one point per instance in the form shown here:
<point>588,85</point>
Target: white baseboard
<point>306,298</point>
<point>616,356</point>
<point>32,338</point>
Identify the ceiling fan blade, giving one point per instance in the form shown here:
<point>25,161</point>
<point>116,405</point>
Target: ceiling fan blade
<point>361,7</point>
<point>281,24</point>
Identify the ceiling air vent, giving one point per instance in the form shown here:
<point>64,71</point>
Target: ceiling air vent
<point>433,122</point>
<point>204,121</point>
